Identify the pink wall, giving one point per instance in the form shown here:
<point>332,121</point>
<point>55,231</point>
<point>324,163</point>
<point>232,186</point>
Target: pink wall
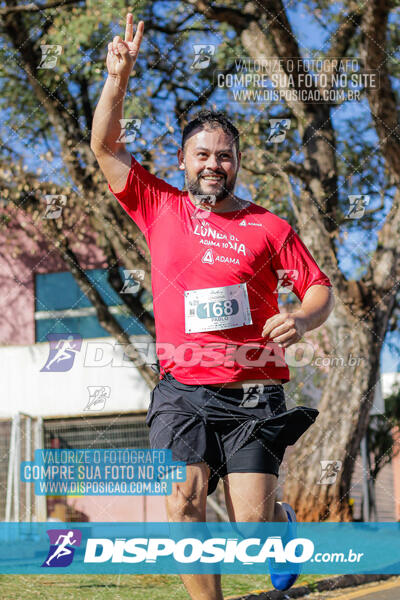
<point>120,508</point>
<point>24,252</point>
<point>21,257</point>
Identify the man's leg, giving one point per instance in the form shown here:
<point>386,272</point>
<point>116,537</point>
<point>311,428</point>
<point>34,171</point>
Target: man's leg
<point>188,503</point>
<point>252,497</point>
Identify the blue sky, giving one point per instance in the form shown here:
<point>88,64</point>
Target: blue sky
<point>311,36</point>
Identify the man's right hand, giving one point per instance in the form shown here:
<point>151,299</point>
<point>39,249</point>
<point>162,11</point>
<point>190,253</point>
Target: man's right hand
<point>122,55</point>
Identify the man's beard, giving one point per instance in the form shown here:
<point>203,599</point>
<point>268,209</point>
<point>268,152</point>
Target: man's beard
<point>195,186</point>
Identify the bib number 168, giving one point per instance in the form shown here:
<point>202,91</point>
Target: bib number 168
<point>205,310</point>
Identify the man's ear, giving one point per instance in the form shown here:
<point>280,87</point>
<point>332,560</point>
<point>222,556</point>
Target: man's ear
<point>181,159</point>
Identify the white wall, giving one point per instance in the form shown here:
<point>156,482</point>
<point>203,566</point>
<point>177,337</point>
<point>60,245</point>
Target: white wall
<point>24,388</point>
<point>389,380</point>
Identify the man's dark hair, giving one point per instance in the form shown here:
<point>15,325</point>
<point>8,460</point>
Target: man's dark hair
<point>212,119</point>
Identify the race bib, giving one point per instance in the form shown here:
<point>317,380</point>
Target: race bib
<point>216,308</point>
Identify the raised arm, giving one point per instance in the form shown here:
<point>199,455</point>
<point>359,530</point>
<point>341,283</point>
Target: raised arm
<point>112,156</point>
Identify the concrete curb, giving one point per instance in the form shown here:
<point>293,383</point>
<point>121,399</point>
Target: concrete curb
<point>324,585</point>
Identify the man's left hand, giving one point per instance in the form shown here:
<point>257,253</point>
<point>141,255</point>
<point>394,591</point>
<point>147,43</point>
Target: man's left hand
<point>285,328</point>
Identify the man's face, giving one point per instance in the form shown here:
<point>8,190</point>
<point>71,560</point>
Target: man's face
<point>210,163</point>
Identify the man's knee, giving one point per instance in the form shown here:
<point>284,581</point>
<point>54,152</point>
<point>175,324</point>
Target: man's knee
<point>185,502</point>
<point>188,498</point>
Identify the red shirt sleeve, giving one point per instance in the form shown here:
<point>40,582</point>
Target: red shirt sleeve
<point>144,195</point>
<point>298,265</point>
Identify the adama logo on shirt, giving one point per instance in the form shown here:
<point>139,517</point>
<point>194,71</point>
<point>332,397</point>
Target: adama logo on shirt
<point>244,223</point>
<point>208,257</point>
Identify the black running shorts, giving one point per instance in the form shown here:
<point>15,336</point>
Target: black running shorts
<point>230,430</point>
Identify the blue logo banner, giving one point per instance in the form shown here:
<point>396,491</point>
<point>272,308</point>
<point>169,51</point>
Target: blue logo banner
<point>141,548</point>
<point>114,471</point>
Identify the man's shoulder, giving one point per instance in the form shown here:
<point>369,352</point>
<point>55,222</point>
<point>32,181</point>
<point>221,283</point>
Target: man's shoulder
<point>271,222</point>
<point>156,182</point>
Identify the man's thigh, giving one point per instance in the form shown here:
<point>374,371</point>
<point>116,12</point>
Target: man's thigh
<point>188,498</point>
<point>250,496</point>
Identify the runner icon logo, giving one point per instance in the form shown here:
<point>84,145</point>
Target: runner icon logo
<point>61,552</point>
<point>279,128</point>
<point>129,130</point>
<point>251,394</point>
<point>98,394</point>
<point>133,277</point>
<point>358,203</point>
<point>202,56</point>
<point>54,205</point>
<point>62,352</point>
<point>329,471</point>
<point>285,280</point>
<point>50,54</point>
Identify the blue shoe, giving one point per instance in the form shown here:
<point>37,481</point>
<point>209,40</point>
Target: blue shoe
<point>281,579</point>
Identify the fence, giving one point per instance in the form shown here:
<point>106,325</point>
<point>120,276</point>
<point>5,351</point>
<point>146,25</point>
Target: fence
<point>23,434</point>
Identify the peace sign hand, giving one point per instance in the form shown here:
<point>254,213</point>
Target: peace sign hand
<point>122,54</point>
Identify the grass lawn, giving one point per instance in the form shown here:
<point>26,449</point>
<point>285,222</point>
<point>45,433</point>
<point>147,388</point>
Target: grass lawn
<point>123,587</point>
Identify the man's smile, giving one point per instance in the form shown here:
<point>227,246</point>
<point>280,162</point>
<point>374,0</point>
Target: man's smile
<point>212,178</point>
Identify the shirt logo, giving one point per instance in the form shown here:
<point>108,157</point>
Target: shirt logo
<point>208,257</point>
<point>244,223</point>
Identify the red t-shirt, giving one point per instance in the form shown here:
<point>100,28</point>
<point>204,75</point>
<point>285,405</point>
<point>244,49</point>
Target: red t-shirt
<point>190,251</point>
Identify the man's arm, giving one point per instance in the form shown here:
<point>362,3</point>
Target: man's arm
<point>318,303</point>
<point>286,328</point>
<point>112,156</point>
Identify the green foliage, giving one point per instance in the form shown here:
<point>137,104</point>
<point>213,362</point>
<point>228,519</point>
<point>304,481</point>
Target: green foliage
<point>163,83</point>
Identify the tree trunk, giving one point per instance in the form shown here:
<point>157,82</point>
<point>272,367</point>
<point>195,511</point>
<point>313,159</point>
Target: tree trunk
<point>337,432</point>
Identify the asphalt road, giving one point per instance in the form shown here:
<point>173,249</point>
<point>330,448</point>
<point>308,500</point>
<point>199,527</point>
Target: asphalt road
<point>385,590</point>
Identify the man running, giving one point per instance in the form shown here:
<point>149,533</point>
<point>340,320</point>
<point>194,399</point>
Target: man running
<point>62,543</point>
<point>220,403</point>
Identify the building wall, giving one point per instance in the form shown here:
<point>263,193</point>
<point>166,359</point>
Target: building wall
<point>396,472</point>
<point>122,509</point>
<point>21,258</point>
<point>98,363</point>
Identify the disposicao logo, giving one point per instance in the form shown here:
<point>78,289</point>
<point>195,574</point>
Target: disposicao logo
<point>190,550</point>
<point>62,547</point>
<point>62,352</point>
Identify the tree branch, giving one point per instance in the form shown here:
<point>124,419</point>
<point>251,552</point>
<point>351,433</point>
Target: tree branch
<point>35,7</point>
<point>384,269</point>
<point>382,100</point>
<point>289,167</point>
<point>344,33</point>
<point>132,302</point>
<point>66,126</point>
<point>234,17</point>
<point>104,316</point>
